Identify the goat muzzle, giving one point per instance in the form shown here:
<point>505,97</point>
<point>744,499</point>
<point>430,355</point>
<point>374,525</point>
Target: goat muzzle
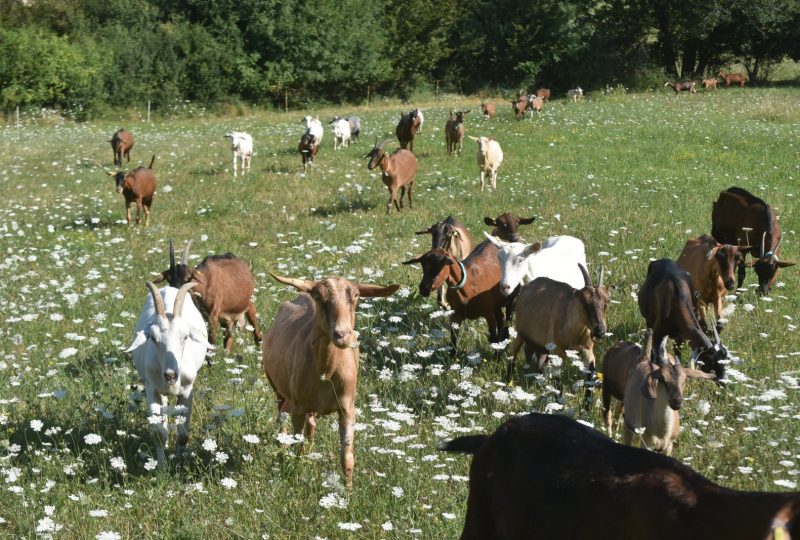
<point>342,338</point>
<point>171,377</point>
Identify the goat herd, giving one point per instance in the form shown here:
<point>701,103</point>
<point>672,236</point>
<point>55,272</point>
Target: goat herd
<point>536,472</point>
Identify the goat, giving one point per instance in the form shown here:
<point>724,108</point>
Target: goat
<point>678,87</point>
<point>405,131</point>
<point>168,350</point>
<point>575,94</point>
<point>551,313</point>
<point>121,144</point>
<point>313,127</point>
<point>711,266</point>
<point>490,157</point>
<point>732,78</point>
<point>397,172</point>
<point>454,132</point>
<point>519,106</point>
<point>355,127</point>
<point>223,292</point>
<point>473,290</point>
<point>311,356</point>
<point>667,302</point>
<point>341,133</point>
<point>506,226</point>
<point>549,476</point>
<point>535,103</point>
<point>418,120</point>
<point>488,110</point>
<point>241,148</point>
<point>308,148</point>
<point>452,236</point>
<point>139,186</point>
<point>709,84</point>
<point>736,212</point>
<point>649,387</point>
<point>543,93</point>
<point>560,258</point>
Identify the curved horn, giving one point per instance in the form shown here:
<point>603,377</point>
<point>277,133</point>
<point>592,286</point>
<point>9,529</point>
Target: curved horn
<point>376,142</point>
<point>185,254</point>
<point>177,309</point>
<point>171,255</point>
<point>602,274</point>
<point>384,143</point>
<point>299,284</point>
<point>662,351</point>
<point>586,278</point>
<point>778,245</point>
<point>157,300</point>
<point>763,243</point>
<point>647,350</point>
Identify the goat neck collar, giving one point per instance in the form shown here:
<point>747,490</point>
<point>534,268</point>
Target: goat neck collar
<point>463,277</point>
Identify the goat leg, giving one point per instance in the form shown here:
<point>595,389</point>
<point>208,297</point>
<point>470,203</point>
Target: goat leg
<point>251,318</point>
<point>347,422</point>
<point>410,189</point>
<point>183,427</point>
<point>740,274</point>
<point>512,358</point>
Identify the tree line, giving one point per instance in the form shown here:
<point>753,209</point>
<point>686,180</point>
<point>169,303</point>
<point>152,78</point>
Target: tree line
<point>83,55</point>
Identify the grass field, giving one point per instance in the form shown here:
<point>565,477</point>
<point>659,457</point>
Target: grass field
<point>632,175</point>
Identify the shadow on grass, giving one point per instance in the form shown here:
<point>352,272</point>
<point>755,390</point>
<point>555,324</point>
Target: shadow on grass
<point>344,207</point>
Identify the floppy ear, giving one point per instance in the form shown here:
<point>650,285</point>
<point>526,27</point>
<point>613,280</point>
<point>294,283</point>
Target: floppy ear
<point>650,386</point>
<point>490,222</point>
<point>697,374</point>
<point>526,221</point>
<point>138,341</point>
<point>412,261</point>
<point>711,252</point>
<point>531,249</point>
<point>195,275</point>
<point>473,138</point>
<point>784,264</point>
<point>424,232</point>
<point>372,291</point>
<point>492,239</point>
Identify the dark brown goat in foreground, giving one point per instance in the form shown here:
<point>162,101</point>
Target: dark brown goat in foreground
<point>138,186</point>
<point>548,476</point>
<point>452,236</point>
<point>223,293</point>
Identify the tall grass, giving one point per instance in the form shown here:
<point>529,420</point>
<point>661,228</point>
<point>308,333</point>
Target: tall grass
<point>632,175</point>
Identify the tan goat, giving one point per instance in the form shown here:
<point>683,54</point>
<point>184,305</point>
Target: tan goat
<point>137,186</point>
<point>398,171</point>
<point>310,356</point>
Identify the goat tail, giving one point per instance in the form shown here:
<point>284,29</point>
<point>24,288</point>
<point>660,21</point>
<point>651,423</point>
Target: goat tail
<point>152,160</point>
<point>469,444</point>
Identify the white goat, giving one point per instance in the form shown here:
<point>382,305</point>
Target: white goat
<point>490,157</point>
<point>169,348</point>
<point>341,133</point>
<point>575,94</point>
<point>558,259</point>
<point>313,127</point>
<point>419,119</point>
<point>242,148</point>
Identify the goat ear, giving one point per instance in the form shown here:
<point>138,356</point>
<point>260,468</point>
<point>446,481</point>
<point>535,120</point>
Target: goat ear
<point>473,138</point>
<point>490,222</point>
<point>413,261</point>
<point>109,173</point>
<point>784,264</point>
<point>492,239</point>
<point>697,374</point>
<point>193,274</point>
<point>531,249</point>
<point>302,285</point>
<point>711,253</point>
<point>373,291</point>
<point>138,341</point>
<point>526,221</point>
<point>160,277</point>
<point>427,231</point>
<point>200,337</point>
<point>650,386</point>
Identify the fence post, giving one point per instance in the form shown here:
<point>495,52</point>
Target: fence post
<point>17,115</point>
<point>148,111</point>
<point>285,99</point>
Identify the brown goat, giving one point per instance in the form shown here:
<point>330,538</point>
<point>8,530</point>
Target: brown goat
<point>543,93</point>
<point>550,313</point>
<point>678,87</point>
<point>712,266</point>
<point>121,144</point>
<point>454,132</point>
<point>452,236</point>
<point>473,287</point>
<point>311,356</point>
<point>548,476</point>
<point>519,106</point>
<point>397,172</point>
<point>535,104</point>
<point>405,130</point>
<point>506,226</point>
<point>223,293</point>
<point>709,84</point>
<point>308,148</point>
<point>139,186</point>
<point>488,110</point>
<point>732,78</point>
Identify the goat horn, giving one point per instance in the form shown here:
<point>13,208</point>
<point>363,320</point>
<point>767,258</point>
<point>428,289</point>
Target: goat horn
<point>376,142</point>
<point>157,300</point>
<point>586,278</point>
<point>299,284</point>
<point>602,274</point>
<point>109,173</point>
<point>177,309</point>
<point>647,349</point>
<point>662,352</point>
<point>185,254</point>
<point>778,245</point>
<point>171,255</point>
<point>763,243</point>
<point>428,231</point>
<point>384,143</point>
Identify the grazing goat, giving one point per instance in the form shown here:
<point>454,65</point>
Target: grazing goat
<point>168,350</point>
<point>488,110</point>
<point>308,148</point>
<point>575,94</point>
<point>355,127</point>
<point>241,148</point>
<point>454,132</point>
<point>223,293</point>
<point>473,290</point>
<point>560,258</point>
<point>712,268</point>
<point>452,236</point>
<point>506,226</point>
<point>667,302</point>
<point>139,186</point>
<point>405,130</point>
<point>551,312</point>
<point>543,93</point>
<point>418,120</point>
<point>490,157</point>
<point>121,144</point>
<point>732,78</point>
<point>397,172</point>
<point>737,212</point>
<point>650,388</point>
<point>341,133</point>
<point>549,476</point>
<point>709,84</point>
<point>310,356</point>
<point>688,86</point>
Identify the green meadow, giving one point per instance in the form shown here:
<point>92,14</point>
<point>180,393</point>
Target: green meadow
<point>632,175</point>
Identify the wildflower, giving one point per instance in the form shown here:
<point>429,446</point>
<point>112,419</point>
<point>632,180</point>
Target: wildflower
<point>387,526</point>
<point>98,513</point>
<point>118,463</point>
<point>252,439</point>
<point>37,425</point>
<point>92,438</point>
<point>286,438</point>
<point>349,526</point>
<point>108,535</point>
<point>228,483</point>
<point>448,515</point>
<point>209,445</point>
<point>46,527</point>
<point>221,458</point>
<point>397,492</point>
<point>332,500</point>
<point>150,465</point>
